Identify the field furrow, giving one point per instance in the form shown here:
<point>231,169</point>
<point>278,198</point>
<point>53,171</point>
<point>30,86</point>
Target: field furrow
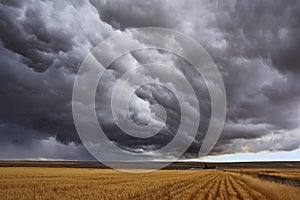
<point>222,192</point>
<point>241,192</point>
<point>54,183</point>
<point>253,193</point>
<point>232,194</point>
<point>196,188</point>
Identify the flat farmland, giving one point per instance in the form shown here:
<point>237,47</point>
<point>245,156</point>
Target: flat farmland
<point>87,183</point>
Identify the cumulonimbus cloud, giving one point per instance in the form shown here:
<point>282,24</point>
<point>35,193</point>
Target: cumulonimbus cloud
<point>254,43</point>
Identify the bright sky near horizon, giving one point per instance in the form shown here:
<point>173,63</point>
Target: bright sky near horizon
<point>255,157</point>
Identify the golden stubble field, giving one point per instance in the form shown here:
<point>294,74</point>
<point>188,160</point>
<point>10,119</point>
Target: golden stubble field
<point>81,183</point>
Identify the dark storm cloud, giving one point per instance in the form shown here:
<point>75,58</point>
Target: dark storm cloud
<point>22,143</point>
<point>14,3</point>
<point>262,45</point>
<point>255,44</point>
<point>46,33</point>
<point>34,42</point>
<point>263,29</point>
<point>27,101</point>
<point>41,48</point>
<point>127,14</point>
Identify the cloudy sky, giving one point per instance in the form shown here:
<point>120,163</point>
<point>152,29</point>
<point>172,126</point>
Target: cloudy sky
<point>255,45</point>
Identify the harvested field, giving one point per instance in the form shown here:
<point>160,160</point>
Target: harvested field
<point>74,183</point>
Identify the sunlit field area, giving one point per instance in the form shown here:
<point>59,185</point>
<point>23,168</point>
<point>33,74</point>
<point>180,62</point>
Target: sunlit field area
<point>84,183</point>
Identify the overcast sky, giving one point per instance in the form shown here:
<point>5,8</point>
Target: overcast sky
<point>255,45</point>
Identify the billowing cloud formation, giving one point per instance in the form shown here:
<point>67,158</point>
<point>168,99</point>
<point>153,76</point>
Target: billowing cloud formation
<point>255,45</point>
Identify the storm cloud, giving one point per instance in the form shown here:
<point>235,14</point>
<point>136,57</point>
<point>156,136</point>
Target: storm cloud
<point>255,45</point>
